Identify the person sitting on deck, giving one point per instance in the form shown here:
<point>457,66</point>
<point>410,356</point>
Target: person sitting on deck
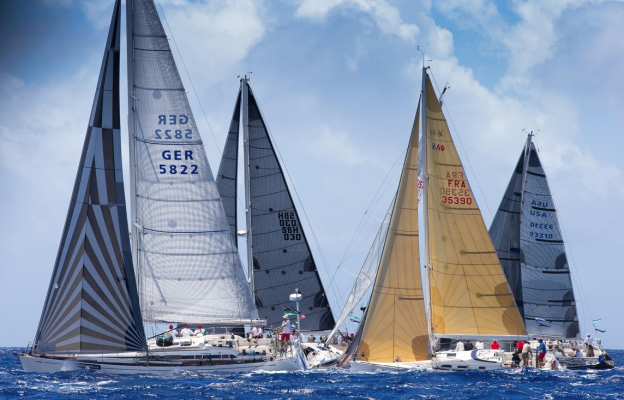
<point>459,346</point>
<point>479,345</point>
<point>494,345</point>
<point>174,332</point>
<point>186,332</point>
<point>468,345</point>
<point>199,331</point>
<point>578,353</point>
<point>255,334</point>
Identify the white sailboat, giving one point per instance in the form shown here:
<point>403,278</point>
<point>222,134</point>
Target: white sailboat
<point>187,268</point>
<point>466,296</point>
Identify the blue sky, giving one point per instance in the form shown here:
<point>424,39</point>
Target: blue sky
<point>338,83</point>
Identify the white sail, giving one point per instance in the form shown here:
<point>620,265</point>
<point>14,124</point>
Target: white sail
<point>188,267</point>
<point>367,274</point>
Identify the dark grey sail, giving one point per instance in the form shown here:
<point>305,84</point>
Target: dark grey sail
<point>92,302</point>
<point>228,170</point>
<point>526,234</point>
<point>282,260</point>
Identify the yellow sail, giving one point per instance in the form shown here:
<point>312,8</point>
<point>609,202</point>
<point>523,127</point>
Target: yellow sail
<point>395,328</point>
<point>469,291</point>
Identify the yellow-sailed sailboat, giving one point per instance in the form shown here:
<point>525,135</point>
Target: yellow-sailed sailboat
<point>467,294</point>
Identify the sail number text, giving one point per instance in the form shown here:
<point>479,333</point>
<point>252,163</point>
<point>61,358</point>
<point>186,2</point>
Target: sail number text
<point>456,190</point>
<point>288,222</point>
<point>173,119</point>
<point>178,155</point>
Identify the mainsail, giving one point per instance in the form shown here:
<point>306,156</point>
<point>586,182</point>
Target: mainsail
<point>228,170</point>
<point>527,237</point>
<point>395,328</point>
<point>92,302</point>
<point>469,294</point>
<point>188,266</point>
<point>282,260</point>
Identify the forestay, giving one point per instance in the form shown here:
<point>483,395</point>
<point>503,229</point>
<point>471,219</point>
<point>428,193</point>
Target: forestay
<point>528,239</point>
<point>282,260</point>
<point>469,291</point>
<point>92,302</point>
<point>188,266</point>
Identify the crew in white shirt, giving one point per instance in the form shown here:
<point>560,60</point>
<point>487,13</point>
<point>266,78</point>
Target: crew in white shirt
<point>186,332</point>
<point>174,332</point>
<point>459,346</point>
<point>255,334</point>
<point>479,345</point>
<point>199,331</point>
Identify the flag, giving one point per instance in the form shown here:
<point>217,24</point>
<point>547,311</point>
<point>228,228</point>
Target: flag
<point>541,322</point>
<point>355,319</point>
<point>600,330</point>
<point>290,311</point>
<point>302,316</point>
<point>597,320</point>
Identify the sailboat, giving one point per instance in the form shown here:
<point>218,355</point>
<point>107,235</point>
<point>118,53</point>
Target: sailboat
<point>527,236</point>
<point>279,257</point>
<point>466,296</point>
<point>181,266</point>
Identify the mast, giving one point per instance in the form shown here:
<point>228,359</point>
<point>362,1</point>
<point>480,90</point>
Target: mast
<point>245,99</point>
<point>425,197</point>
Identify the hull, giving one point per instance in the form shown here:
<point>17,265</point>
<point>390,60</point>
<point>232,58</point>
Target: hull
<point>480,360</point>
<point>44,365</point>
<point>365,366</point>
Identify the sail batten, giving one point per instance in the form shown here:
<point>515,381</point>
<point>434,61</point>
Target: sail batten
<point>92,302</point>
<point>187,264</point>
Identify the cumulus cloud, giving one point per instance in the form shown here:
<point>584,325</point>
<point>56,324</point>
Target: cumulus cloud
<point>387,17</point>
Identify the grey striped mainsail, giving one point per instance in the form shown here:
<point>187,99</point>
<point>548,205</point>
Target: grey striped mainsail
<point>528,239</point>
<point>92,301</point>
<point>282,260</point>
<point>228,170</point>
<point>188,268</point>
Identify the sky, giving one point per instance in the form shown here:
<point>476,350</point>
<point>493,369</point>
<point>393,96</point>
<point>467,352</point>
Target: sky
<point>338,84</point>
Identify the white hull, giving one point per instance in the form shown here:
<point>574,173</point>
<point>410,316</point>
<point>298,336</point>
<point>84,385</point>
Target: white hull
<point>43,365</point>
<point>480,360</point>
<point>365,366</point>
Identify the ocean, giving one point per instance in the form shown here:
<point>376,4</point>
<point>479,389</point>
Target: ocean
<point>521,383</point>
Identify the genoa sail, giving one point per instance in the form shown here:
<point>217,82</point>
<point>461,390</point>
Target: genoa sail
<point>92,302</point>
<point>282,259</point>
<point>188,267</point>
<point>395,328</point>
<point>469,294</point>
<point>228,170</point>
<point>528,239</point>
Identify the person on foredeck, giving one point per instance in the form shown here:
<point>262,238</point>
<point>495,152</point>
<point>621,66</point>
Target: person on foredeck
<point>459,346</point>
<point>284,330</point>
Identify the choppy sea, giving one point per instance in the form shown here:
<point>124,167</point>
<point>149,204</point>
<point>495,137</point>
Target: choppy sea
<point>519,383</point>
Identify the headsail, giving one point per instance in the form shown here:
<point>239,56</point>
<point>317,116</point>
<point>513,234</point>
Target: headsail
<point>367,274</point>
<point>469,292</point>
<point>188,266</point>
<point>282,260</point>
<point>527,237</point>
<point>92,302</point>
<point>395,328</point>
<point>228,170</point>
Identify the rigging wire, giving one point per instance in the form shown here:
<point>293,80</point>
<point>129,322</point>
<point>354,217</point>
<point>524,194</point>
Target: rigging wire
<point>448,114</point>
